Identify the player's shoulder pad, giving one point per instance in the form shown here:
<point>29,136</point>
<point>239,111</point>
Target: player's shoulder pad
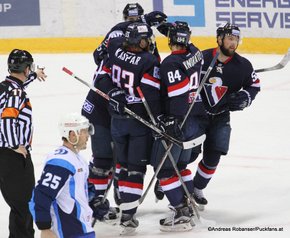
<point>208,52</point>
<point>192,48</point>
<point>61,158</point>
<point>115,42</point>
<point>171,60</point>
<point>149,59</point>
<point>122,26</point>
<point>242,60</point>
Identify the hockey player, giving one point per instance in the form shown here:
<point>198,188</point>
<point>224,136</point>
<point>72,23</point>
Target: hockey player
<point>179,76</point>
<point>231,86</point>
<point>16,167</point>
<point>60,205</point>
<point>133,12</point>
<point>95,108</point>
<point>131,65</point>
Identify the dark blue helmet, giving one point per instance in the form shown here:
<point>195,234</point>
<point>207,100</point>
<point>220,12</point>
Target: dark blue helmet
<point>136,31</point>
<point>19,60</point>
<point>179,33</point>
<point>228,29</point>
<point>132,10</point>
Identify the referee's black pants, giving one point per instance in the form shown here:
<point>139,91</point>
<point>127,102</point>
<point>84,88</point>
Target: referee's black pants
<point>16,184</point>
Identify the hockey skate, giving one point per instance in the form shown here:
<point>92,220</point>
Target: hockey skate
<point>112,216</point>
<point>181,220</point>
<point>159,194</point>
<point>199,198</point>
<point>128,224</point>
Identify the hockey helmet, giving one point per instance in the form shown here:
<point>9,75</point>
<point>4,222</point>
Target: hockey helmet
<point>74,122</point>
<point>132,10</point>
<point>179,33</point>
<point>135,32</point>
<point>227,28</point>
<point>18,60</point>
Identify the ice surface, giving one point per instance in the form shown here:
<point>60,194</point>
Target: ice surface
<point>251,186</point>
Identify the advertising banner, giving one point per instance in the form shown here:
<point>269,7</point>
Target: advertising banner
<point>19,13</point>
<point>256,18</point>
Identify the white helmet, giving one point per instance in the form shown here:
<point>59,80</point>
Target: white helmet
<point>74,122</point>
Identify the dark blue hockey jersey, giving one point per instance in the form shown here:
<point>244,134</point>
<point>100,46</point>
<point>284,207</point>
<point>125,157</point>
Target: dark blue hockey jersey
<point>95,107</point>
<point>180,78</point>
<point>225,78</point>
<point>132,69</point>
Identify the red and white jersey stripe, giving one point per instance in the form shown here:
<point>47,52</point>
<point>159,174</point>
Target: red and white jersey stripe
<point>179,88</point>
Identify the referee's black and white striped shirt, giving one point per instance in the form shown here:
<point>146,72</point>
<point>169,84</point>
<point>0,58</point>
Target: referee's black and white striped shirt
<point>16,114</point>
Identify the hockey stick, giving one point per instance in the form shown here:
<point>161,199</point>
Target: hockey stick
<point>280,65</point>
<point>131,205</point>
<point>182,144</point>
<point>193,204</point>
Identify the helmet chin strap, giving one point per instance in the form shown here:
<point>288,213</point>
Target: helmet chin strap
<point>74,143</point>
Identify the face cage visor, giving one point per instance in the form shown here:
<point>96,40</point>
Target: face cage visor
<point>91,129</point>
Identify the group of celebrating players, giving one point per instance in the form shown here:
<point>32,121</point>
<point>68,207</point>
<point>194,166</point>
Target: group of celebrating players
<point>143,112</point>
<point>130,71</point>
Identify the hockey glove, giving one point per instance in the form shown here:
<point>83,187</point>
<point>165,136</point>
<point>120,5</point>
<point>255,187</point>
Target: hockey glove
<point>154,18</point>
<point>239,100</point>
<point>171,126</point>
<point>164,28</point>
<point>100,209</point>
<point>160,125</point>
<point>117,102</point>
<point>100,52</point>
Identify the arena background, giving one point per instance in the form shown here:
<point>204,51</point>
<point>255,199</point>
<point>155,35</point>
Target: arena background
<point>68,26</point>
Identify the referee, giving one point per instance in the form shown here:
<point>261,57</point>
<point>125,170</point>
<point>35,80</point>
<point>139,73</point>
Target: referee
<point>16,168</point>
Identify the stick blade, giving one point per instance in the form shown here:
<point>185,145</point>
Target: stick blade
<point>194,142</point>
<point>280,65</point>
<point>286,58</point>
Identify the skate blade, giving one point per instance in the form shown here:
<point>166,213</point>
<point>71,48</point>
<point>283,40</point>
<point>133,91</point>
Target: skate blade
<point>177,228</point>
<point>127,231</point>
<point>200,207</point>
<point>112,222</point>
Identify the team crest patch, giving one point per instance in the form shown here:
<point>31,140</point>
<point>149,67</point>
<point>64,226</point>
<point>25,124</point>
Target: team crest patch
<point>60,152</point>
<point>88,106</point>
<point>80,170</point>
<point>215,90</point>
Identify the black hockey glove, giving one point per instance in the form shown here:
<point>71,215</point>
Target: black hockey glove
<point>100,209</point>
<point>239,100</point>
<point>154,18</point>
<point>117,102</point>
<point>100,52</point>
<point>160,125</point>
<point>164,28</point>
<point>171,126</point>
